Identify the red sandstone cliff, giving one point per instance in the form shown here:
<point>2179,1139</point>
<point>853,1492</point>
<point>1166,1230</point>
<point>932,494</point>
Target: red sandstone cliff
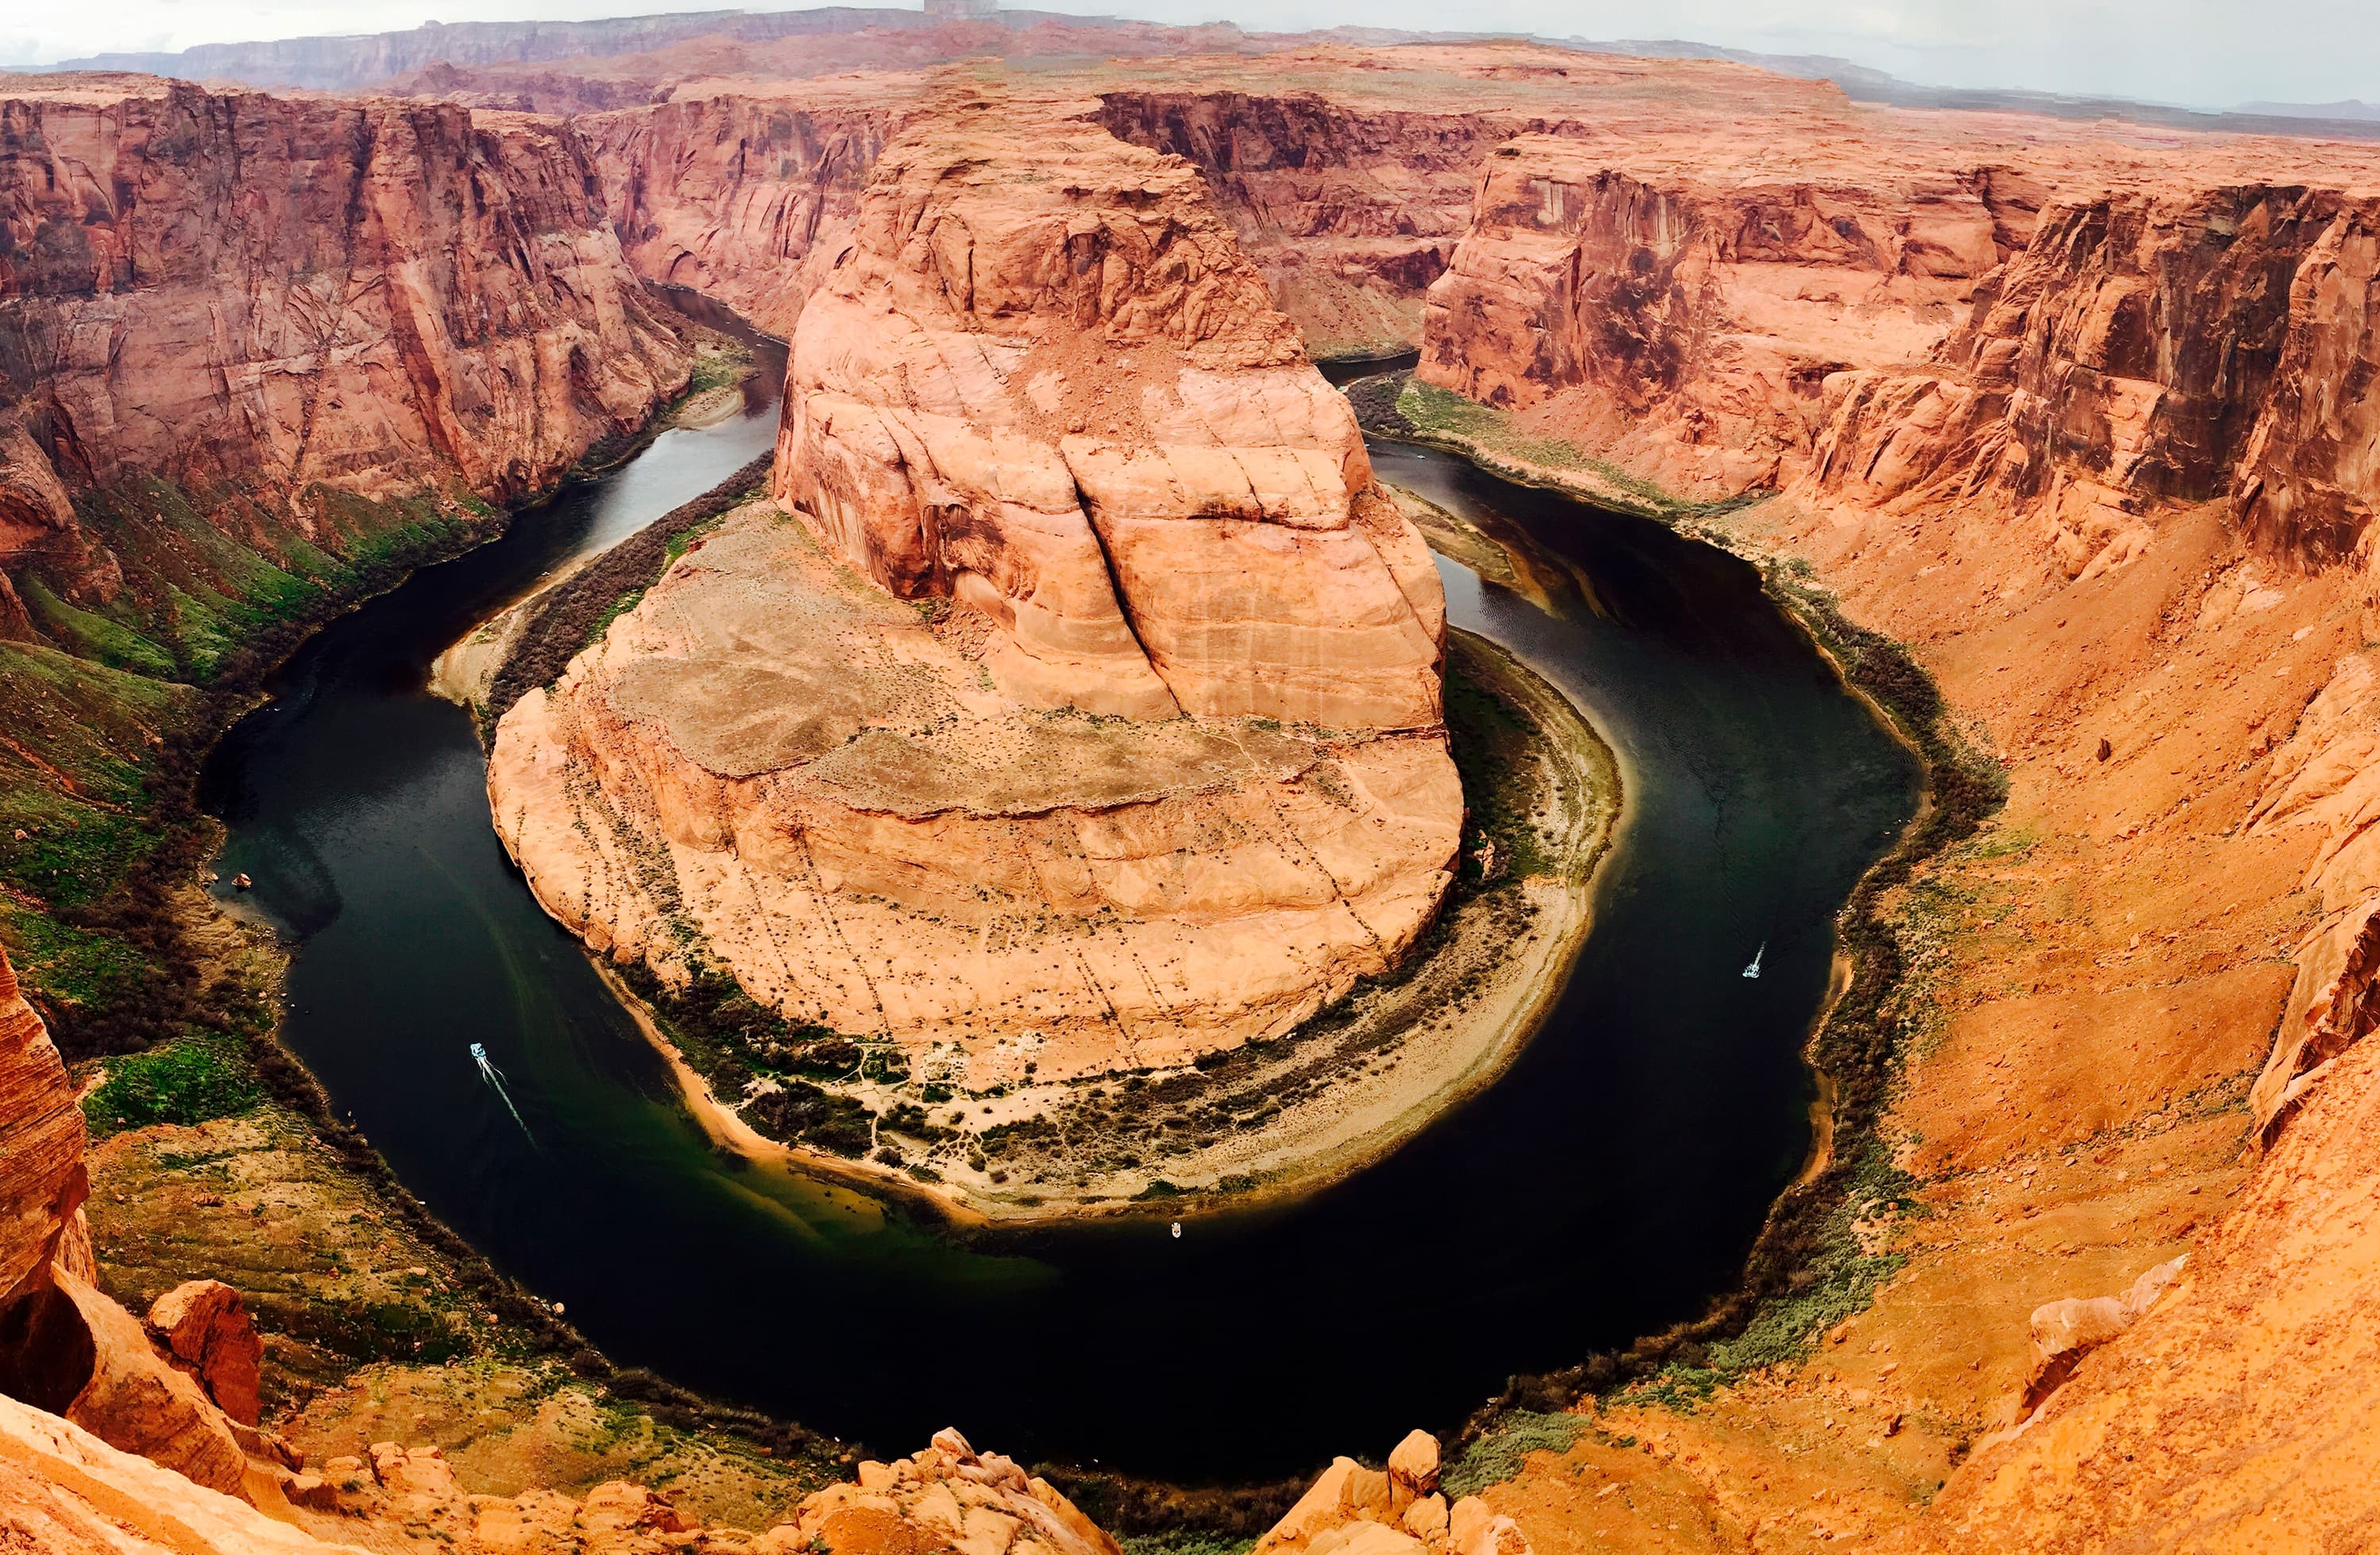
<point>2145,349</point>
<point>246,295</point>
<point>1680,322</point>
<point>1350,213</point>
<point>746,200</point>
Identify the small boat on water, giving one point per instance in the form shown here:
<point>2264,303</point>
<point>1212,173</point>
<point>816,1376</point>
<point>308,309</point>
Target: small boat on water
<point>1753,970</point>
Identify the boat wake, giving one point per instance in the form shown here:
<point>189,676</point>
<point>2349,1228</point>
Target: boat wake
<point>495,1077</point>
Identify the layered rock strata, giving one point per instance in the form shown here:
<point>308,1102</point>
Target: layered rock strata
<point>64,1346</point>
<point>2145,349</point>
<point>744,199</point>
<point>1077,708</point>
<point>246,295</point>
<point>1683,323</point>
<point>42,1182</point>
<point>1348,212</point>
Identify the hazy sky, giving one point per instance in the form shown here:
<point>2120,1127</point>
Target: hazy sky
<point>2207,53</point>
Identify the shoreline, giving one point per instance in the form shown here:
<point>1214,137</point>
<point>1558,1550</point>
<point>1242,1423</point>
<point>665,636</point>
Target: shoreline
<point>251,960</point>
<point>1851,1061</point>
<point>1356,1121</point>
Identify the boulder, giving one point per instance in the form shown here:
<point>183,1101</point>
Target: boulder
<point>1413,1471</point>
<point>1351,1509</point>
<point>134,1400</point>
<point>2064,1331</point>
<point>947,1497</point>
<point>205,1329</point>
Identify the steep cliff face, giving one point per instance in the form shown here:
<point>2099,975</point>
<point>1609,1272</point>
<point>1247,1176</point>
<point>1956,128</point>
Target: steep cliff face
<point>1077,708</point>
<point>243,294</point>
<point>2309,475</point>
<point>745,199</point>
<point>1681,322</point>
<point>2146,349</point>
<point>1350,213</point>
<point>42,1180</point>
<point>1066,402</point>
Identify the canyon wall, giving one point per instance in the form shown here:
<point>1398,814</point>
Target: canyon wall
<point>250,297</point>
<point>42,1182</point>
<point>333,64</point>
<point>1348,212</point>
<point>746,200</point>
<point>1075,707</point>
<point>1680,322</point>
<point>2147,349</point>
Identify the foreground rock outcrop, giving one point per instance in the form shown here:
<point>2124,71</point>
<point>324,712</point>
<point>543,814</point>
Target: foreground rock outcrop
<point>42,1182</point>
<point>1393,1511</point>
<point>1077,705</point>
<point>65,1347</point>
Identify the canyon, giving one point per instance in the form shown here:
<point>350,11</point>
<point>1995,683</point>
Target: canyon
<point>2073,410</point>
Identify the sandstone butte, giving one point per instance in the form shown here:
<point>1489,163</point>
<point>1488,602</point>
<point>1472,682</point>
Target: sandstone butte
<point>1085,714</point>
<point>2073,409</point>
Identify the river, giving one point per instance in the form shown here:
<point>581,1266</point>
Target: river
<point>1608,1186</point>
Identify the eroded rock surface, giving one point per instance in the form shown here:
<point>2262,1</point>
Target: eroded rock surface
<point>42,1182</point>
<point>1350,210</point>
<point>1351,1510</point>
<point>1077,708</point>
<point>2144,349</point>
<point>204,1328</point>
<point>249,294</point>
<point>744,199</point>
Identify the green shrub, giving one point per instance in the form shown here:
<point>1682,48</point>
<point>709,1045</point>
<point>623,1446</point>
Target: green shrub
<point>188,1081</point>
<point>1185,1541</point>
<point>1497,1456</point>
<point>612,612</point>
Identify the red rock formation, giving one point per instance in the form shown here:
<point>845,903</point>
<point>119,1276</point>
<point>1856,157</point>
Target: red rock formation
<point>204,1329</point>
<point>2066,1330</point>
<point>746,200</point>
<point>2309,475</point>
<point>1350,213</point>
<point>2133,355</point>
<point>42,1182</point>
<point>64,1346</point>
<point>63,1491</point>
<point>237,292</point>
<point>1351,1510</point>
<point>1680,322</point>
<point>1067,403</point>
<point>1042,388</point>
